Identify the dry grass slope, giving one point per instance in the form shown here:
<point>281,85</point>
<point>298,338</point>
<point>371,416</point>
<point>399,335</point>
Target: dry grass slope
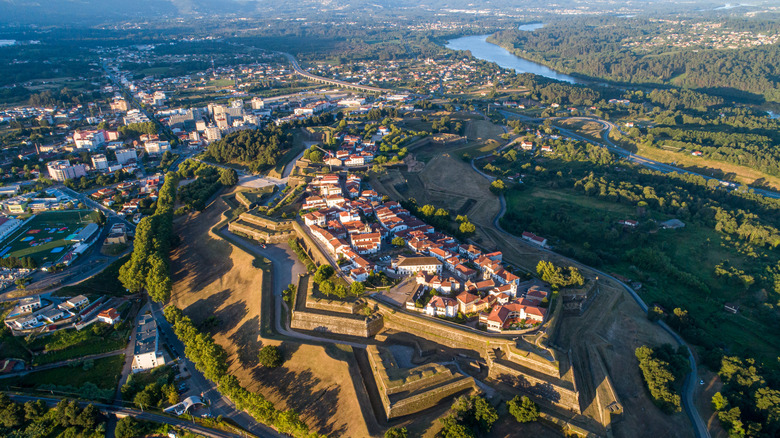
<point>214,278</point>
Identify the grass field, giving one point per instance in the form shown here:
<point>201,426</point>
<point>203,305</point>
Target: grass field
<point>70,344</point>
<point>105,374</point>
<point>45,236</point>
<point>614,323</point>
<point>104,283</point>
<point>690,249</point>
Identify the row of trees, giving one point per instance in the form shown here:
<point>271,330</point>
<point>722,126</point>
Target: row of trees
<point>149,265</point>
<point>211,360</point>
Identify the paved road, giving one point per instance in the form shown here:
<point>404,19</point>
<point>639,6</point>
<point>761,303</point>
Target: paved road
<point>199,385</point>
<point>297,68</point>
<point>286,269</point>
<point>129,352</point>
<point>148,416</point>
<point>630,156</point>
<point>690,380</point>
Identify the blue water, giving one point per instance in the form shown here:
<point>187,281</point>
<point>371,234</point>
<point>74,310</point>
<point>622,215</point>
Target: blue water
<point>481,49</point>
<point>530,27</point>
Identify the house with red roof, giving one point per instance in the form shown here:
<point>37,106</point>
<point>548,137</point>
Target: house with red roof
<point>442,306</point>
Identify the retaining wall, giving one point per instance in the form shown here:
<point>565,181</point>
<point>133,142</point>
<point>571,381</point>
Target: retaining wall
<point>342,325</point>
<point>432,382</point>
<point>556,394</point>
<point>308,245</point>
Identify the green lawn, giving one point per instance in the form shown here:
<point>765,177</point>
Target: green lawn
<point>69,344</point>
<point>104,373</point>
<point>105,282</point>
<point>579,226</point>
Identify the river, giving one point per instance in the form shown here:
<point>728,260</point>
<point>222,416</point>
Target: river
<point>481,49</point>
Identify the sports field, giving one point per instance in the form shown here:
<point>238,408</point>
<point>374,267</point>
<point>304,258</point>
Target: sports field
<point>46,237</point>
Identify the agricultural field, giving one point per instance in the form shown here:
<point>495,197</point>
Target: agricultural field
<point>47,236</point>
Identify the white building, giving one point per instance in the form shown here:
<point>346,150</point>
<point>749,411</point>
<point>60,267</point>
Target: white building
<point>442,306</point>
<point>89,139</point>
<point>257,103</point>
<point>61,170</point>
<point>124,156</point>
<point>100,162</point>
<point>413,265</point>
<point>157,147</point>
<point>147,354</point>
<point>213,134</point>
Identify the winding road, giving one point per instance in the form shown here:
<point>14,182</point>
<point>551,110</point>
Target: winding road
<point>630,156</point>
<point>690,380</point>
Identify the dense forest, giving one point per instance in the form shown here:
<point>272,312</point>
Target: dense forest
<point>597,47</point>
<point>258,149</point>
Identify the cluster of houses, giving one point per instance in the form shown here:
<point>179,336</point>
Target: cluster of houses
<point>37,311</point>
<point>465,279</point>
<point>353,151</point>
<point>478,284</point>
<point>337,223</point>
<point>133,192</point>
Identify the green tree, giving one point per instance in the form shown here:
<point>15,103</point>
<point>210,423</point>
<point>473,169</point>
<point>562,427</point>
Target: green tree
<point>228,177</point>
<point>158,280</point>
<point>128,427</point>
<point>323,273</point>
<point>357,288</point>
<point>398,241</point>
<point>149,397</point>
<point>396,432</point>
<point>270,357</point>
<point>467,228</point>
<point>497,187</point>
<point>719,402</point>
<point>11,414</point>
<point>34,409</point>
<point>523,409</point>
<point>453,429</point>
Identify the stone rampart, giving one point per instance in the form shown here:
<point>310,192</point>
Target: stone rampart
<point>558,392</point>
<point>246,229</point>
<point>405,392</point>
<point>308,245</point>
<point>334,305</point>
<point>342,325</point>
<point>267,222</point>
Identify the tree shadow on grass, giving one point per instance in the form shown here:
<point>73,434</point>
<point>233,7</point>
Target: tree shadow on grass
<point>205,307</point>
<point>247,342</point>
<point>316,405</point>
<point>229,316</point>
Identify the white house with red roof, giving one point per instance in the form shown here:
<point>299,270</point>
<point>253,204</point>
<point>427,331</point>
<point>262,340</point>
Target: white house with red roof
<point>442,306</point>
